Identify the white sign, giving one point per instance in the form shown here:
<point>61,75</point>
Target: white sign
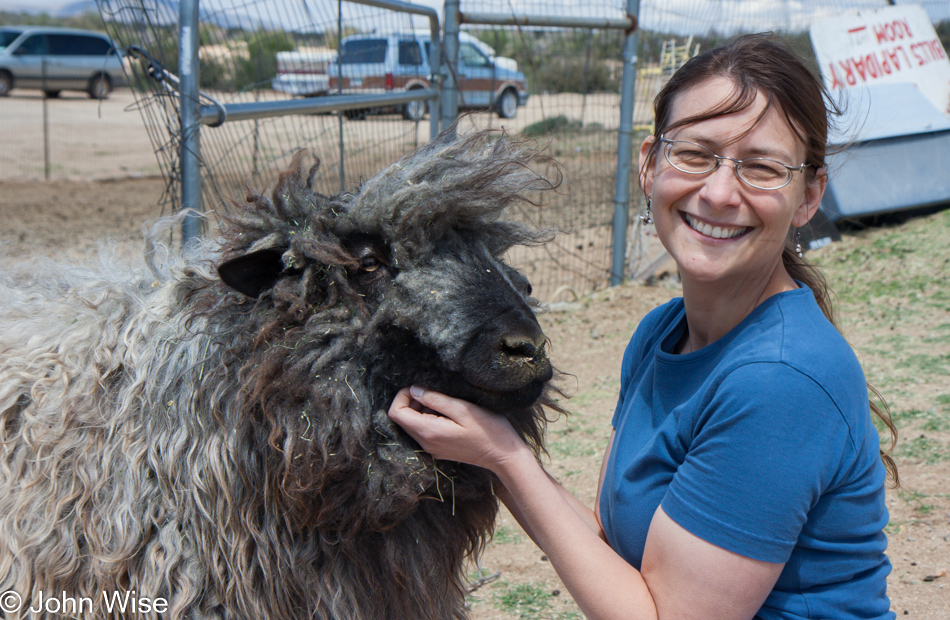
<point>893,44</point>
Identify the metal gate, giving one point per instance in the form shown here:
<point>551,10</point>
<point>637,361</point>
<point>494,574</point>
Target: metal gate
<point>217,125</point>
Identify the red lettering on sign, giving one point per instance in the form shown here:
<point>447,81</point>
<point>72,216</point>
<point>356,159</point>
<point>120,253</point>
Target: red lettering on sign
<point>907,28</point>
<point>928,51</point>
<point>897,29</point>
<point>937,49</point>
<point>859,67</point>
<point>879,33</point>
<point>885,66</point>
<point>835,81</point>
<point>848,73</point>
<point>904,52</point>
<point>887,61</point>
<point>894,58</point>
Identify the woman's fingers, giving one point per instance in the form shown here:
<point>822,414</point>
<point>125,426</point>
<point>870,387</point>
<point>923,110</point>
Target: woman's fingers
<point>459,431</point>
<point>412,415</point>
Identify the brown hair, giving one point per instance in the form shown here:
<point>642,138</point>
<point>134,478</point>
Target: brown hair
<point>763,63</point>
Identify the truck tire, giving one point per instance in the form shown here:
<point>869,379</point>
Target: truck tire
<point>6,83</point>
<point>507,106</point>
<point>414,111</point>
<point>99,87</point>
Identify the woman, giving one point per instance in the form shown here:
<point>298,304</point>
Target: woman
<point>743,477</point>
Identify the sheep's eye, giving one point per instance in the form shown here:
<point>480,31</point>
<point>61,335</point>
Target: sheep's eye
<point>370,263</point>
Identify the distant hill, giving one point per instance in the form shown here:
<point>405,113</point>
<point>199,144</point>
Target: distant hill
<point>77,8</point>
<point>31,8</point>
<point>54,8</point>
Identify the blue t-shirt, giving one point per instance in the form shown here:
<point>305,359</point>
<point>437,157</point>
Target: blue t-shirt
<point>760,443</point>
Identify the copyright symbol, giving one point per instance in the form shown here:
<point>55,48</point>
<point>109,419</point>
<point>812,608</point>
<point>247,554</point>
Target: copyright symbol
<point>10,602</point>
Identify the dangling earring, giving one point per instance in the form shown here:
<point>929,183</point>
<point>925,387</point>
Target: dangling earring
<point>647,216</point>
<point>798,242</point>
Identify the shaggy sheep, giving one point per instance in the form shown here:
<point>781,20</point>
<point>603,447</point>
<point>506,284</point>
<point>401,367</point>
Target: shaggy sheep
<point>217,438</point>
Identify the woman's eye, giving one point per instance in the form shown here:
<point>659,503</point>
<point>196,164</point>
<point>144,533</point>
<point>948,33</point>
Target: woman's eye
<point>764,169</point>
<point>694,157</point>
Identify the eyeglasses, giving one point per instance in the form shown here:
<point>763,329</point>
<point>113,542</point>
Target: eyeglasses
<point>758,172</point>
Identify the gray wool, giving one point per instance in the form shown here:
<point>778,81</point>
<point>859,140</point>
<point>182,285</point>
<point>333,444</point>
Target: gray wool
<point>163,432</point>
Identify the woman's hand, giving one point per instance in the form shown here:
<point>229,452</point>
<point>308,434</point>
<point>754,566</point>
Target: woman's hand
<point>456,430</point>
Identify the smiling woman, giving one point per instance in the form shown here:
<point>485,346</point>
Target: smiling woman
<point>743,477</point>
<point>693,199</point>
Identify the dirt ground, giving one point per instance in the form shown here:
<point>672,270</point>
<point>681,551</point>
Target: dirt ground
<point>66,219</point>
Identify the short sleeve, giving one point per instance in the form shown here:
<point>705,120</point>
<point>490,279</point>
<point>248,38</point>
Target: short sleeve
<point>640,345</point>
<point>768,443</point>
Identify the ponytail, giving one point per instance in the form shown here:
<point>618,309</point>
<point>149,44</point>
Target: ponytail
<point>809,275</point>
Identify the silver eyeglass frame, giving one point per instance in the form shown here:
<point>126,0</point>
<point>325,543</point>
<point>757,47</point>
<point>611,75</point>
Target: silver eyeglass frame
<point>668,146</point>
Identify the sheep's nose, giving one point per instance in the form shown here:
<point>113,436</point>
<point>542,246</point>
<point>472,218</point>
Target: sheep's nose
<point>520,355</point>
<point>522,346</point>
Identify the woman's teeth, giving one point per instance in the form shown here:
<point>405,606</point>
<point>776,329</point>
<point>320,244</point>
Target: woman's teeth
<point>717,232</point>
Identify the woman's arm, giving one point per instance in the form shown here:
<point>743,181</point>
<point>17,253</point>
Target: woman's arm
<point>683,576</point>
<point>600,478</point>
<point>585,513</point>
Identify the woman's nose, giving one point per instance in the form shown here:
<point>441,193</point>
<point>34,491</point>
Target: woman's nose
<point>721,187</point>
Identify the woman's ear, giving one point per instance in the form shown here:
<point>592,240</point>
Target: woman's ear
<point>814,190</point>
<point>646,166</point>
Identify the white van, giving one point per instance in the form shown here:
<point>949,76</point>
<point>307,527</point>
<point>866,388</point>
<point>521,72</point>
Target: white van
<point>376,63</point>
<point>57,59</point>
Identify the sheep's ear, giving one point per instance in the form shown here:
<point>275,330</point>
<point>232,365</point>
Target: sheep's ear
<point>253,273</point>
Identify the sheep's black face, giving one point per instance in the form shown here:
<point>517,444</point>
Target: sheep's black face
<point>457,320</point>
<point>469,313</point>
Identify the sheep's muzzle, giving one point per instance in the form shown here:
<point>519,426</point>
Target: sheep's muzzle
<point>505,367</point>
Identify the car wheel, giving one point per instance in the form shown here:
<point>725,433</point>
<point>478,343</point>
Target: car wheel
<point>52,94</point>
<point>6,83</point>
<point>99,87</point>
<point>355,115</point>
<point>508,104</point>
<point>414,111</point>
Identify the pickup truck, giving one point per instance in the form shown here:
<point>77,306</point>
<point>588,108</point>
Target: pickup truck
<point>386,62</point>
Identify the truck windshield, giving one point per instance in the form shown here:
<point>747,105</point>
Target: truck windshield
<point>7,37</point>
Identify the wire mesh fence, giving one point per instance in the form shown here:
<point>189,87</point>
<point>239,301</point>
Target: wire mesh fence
<point>72,137</point>
<point>572,110</point>
<point>573,107</point>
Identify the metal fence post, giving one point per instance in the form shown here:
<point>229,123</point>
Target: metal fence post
<point>621,218</point>
<point>190,123</point>
<point>45,124</point>
<point>450,101</point>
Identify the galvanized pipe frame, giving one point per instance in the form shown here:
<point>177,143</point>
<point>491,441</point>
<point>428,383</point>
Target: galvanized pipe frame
<point>621,217</point>
<point>190,146</point>
<point>193,114</point>
<point>214,116</point>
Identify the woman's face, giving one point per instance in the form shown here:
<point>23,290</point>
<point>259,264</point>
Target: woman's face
<point>715,226</point>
